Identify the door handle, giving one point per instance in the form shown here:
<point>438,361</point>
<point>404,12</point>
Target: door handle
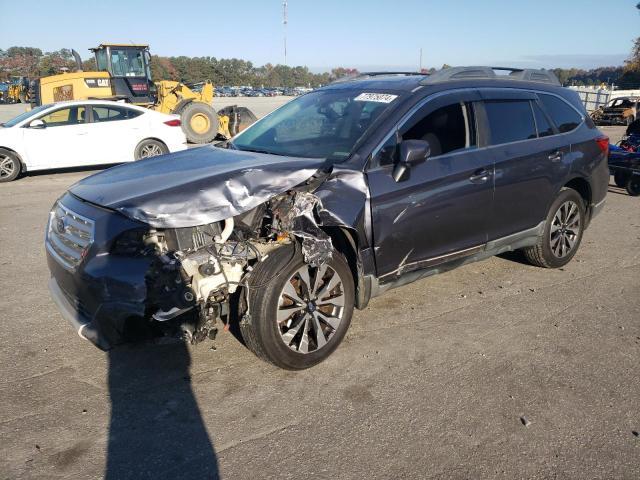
<point>480,176</point>
<point>81,133</point>
<point>555,156</point>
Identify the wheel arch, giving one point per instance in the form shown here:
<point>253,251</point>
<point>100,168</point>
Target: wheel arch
<point>181,105</point>
<point>152,138</point>
<point>23,166</point>
<point>156,139</point>
<point>583,187</point>
<point>345,241</point>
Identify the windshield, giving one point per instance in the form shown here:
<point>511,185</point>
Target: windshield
<point>321,124</point>
<point>127,62</point>
<point>24,116</point>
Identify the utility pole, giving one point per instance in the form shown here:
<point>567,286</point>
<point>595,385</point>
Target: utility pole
<point>420,68</point>
<point>284,22</point>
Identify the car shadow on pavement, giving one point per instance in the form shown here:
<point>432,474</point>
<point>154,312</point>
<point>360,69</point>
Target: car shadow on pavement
<point>515,256</point>
<point>156,429</point>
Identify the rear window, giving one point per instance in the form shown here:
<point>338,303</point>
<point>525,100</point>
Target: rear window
<point>510,121</point>
<point>564,116</point>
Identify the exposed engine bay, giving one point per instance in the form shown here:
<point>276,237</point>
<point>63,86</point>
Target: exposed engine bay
<point>199,268</point>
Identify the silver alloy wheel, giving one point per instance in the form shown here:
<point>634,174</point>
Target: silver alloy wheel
<point>565,229</point>
<point>150,150</point>
<point>7,166</point>
<point>310,308</point>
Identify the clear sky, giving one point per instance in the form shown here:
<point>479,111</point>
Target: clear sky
<point>352,33</point>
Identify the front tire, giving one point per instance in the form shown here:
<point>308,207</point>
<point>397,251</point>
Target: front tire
<point>298,314</point>
<point>150,148</point>
<point>633,185</point>
<point>562,233</point>
<point>10,166</point>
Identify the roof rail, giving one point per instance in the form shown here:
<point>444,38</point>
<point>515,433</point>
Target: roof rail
<point>466,73</point>
<point>362,75</point>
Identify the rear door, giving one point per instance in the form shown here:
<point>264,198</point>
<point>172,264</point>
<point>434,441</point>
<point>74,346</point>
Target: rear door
<point>115,131</point>
<point>61,142</point>
<point>441,209</point>
<point>529,160</point>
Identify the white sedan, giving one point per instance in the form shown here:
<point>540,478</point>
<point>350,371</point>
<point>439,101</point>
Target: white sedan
<point>83,133</point>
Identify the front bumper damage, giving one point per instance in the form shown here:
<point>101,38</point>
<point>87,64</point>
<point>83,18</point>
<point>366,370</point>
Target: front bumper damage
<point>80,322</point>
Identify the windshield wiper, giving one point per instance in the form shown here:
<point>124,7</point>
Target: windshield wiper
<point>257,150</point>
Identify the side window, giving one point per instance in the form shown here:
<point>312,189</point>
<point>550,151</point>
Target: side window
<point>564,116</point>
<point>542,124</point>
<point>65,116</point>
<point>510,120</point>
<point>446,129</point>
<point>110,114</point>
<point>101,60</point>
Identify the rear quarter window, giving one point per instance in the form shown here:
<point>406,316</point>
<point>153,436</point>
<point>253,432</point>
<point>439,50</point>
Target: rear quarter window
<point>544,127</point>
<point>563,115</point>
<point>111,114</point>
<point>510,121</point>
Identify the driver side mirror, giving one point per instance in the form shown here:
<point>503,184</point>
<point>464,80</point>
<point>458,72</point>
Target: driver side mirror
<point>412,152</point>
<point>37,124</point>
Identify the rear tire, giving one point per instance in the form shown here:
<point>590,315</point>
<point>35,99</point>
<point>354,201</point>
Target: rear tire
<point>562,233</point>
<point>320,300</point>
<point>10,166</point>
<point>633,185</point>
<point>620,179</point>
<point>150,148</point>
<point>199,122</point>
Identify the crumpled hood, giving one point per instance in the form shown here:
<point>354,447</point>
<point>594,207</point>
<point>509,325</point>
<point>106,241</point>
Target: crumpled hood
<point>194,187</point>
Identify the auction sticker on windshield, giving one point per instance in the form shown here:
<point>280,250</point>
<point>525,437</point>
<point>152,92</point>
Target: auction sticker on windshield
<point>376,97</point>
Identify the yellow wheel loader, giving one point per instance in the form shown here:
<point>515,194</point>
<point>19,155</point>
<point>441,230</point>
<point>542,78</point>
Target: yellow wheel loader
<point>123,73</point>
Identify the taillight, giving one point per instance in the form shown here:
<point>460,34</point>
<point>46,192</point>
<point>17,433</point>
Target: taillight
<point>173,123</point>
<point>603,143</point>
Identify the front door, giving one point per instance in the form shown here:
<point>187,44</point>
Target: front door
<point>60,141</point>
<point>440,211</point>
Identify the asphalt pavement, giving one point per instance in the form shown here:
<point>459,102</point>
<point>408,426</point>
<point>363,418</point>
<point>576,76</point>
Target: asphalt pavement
<point>495,370</point>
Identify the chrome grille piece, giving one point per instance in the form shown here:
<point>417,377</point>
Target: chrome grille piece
<point>69,236</point>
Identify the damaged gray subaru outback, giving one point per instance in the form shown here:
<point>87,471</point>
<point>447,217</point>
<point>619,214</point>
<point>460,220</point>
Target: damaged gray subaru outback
<point>336,197</point>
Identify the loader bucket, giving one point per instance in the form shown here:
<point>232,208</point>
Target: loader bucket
<point>239,118</point>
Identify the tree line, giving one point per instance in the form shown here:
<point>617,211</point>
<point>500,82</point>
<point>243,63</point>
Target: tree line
<point>33,63</point>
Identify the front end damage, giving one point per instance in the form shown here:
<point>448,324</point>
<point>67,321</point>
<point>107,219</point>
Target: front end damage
<point>165,247</point>
<point>199,269</point>
<point>182,282</point>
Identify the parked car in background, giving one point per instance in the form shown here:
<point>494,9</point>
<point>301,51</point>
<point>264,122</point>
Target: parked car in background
<point>83,133</point>
<point>619,111</point>
<point>338,196</point>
